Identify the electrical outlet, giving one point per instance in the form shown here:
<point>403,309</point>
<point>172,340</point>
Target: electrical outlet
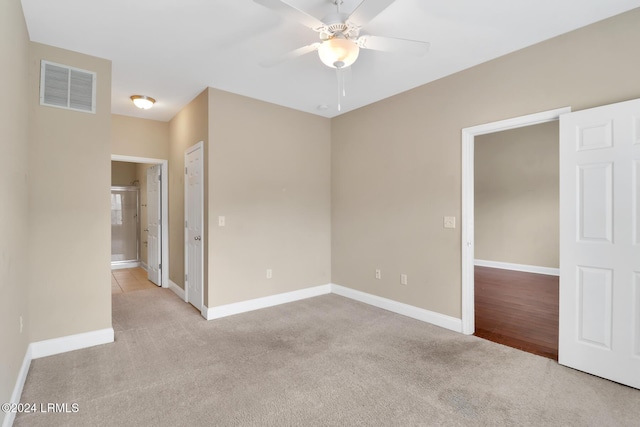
<point>378,274</point>
<point>221,221</point>
<point>403,279</point>
<point>21,324</point>
<point>449,222</point>
<point>269,273</point>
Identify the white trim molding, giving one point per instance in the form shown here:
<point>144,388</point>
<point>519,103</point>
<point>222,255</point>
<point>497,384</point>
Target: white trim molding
<point>45,348</point>
<point>177,290</point>
<point>467,222</point>
<point>71,342</point>
<point>264,302</point>
<point>119,265</point>
<point>421,314</point>
<point>17,389</point>
<point>549,271</point>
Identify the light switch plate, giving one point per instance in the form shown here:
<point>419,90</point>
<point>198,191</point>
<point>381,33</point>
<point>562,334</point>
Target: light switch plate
<point>449,222</point>
<point>221,221</point>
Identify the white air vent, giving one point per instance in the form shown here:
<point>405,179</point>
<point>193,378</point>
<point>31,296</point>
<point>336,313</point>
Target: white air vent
<point>67,87</point>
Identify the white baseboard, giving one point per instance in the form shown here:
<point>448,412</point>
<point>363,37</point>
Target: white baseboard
<point>17,389</point>
<point>38,349</point>
<point>117,265</point>
<point>176,289</point>
<point>434,318</point>
<point>144,266</point>
<point>421,314</point>
<point>71,342</point>
<point>518,267</point>
<point>264,302</point>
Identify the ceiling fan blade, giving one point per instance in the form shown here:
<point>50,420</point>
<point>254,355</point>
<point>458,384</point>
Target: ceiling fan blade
<point>292,13</point>
<point>389,44</point>
<point>290,55</point>
<point>367,10</point>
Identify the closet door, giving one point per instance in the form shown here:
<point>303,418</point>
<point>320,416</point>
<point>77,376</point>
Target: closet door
<point>154,225</point>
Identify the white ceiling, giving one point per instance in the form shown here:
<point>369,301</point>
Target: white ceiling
<point>172,49</point>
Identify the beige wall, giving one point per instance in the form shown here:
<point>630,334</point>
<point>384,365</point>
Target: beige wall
<point>517,196</point>
<point>69,211</point>
<point>271,181</point>
<point>187,128</point>
<point>14,176</point>
<point>396,164</point>
<point>269,176</point>
<point>123,173</point>
<point>139,137</point>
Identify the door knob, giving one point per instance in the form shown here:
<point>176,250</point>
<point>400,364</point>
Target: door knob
<point>196,238</point>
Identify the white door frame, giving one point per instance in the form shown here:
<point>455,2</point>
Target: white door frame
<point>164,209</point>
<point>468,182</point>
<point>203,307</point>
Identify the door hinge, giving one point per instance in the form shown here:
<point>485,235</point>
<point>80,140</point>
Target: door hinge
<point>159,266</point>
<point>159,177</point>
<point>185,171</point>
<point>185,277</point>
<point>185,224</point>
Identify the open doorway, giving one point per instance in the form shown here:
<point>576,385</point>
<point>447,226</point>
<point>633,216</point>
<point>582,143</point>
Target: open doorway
<point>125,221</point>
<point>516,211</point>
<point>468,202</point>
<point>140,167</point>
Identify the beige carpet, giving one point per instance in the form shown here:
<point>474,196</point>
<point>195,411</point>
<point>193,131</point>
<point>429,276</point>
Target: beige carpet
<point>322,361</point>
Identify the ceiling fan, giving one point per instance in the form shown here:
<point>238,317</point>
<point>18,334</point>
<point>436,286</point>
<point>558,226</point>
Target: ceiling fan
<point>340,38</point>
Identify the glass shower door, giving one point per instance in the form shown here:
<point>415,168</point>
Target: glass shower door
<point>124,224</point>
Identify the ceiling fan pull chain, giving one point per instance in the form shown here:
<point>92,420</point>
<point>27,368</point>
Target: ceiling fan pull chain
<point>344,84</point>
<point>339,88</point>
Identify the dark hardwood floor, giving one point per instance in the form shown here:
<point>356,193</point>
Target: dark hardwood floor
<point>517,309</point>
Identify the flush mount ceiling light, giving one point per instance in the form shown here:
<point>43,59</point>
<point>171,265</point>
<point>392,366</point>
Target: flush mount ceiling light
<point>142,101</point>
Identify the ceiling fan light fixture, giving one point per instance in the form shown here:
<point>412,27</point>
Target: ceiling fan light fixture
<point>143,102</point>
<point>338,52</point>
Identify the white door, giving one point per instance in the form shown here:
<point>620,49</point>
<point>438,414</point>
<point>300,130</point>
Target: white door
<point>600,242</point>
<point>193,205</point>
<point>154,248</point>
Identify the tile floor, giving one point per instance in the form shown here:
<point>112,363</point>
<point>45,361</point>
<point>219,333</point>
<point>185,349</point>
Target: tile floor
<point>129,279</point>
